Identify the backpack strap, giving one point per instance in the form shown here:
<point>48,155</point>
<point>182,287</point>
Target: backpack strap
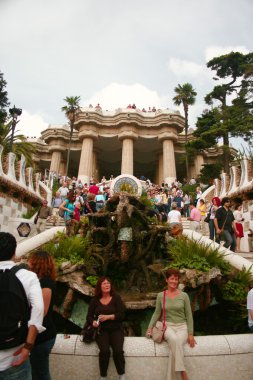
<point>16,268</point>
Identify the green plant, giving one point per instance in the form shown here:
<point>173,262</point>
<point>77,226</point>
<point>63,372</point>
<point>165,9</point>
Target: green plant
<point>72,248</point>
<point>30,213</point>
<point>92,280</point>
<point>236,289</point>
<point>193,254</point>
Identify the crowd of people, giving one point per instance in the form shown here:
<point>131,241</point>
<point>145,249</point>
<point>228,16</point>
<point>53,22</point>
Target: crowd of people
<point>24,351</point>
<point>168,204</point>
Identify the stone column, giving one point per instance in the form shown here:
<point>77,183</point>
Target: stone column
<point>127,163</point>
<point>198,162</point>
<point>95,173</point>
<point>55,161</point>
<point>160,169</point>
<point>85,165</point>
<point>169,165</point>
<point>63,166</point>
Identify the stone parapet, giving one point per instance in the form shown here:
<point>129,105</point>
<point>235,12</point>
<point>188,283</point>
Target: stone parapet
<point>223,357</point>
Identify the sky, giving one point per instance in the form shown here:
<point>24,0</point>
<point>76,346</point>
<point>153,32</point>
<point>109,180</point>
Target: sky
<point>114,52</point>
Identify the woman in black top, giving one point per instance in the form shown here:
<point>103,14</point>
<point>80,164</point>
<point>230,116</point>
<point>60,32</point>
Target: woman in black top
<point>43,265</point>
<point>106,311</point>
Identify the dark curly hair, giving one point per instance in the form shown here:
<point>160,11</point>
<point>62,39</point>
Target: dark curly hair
<point>98,291</point>
<point>172,272</point>
<point>42,263</point>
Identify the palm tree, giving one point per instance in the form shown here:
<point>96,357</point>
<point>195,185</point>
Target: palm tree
<point>185,94</point>
<point>20,144</point>
<point>70,110</point>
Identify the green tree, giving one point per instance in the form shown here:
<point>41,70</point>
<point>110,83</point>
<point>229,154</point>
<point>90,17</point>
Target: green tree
<point>185,95</point>
<point>4,102</point>
<point>209,172</point>
<point>70,109</point>
<point>228,118</point>
<point>20,143</point>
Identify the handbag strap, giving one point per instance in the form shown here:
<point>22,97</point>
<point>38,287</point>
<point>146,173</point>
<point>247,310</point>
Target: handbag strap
<point>164,312</point>
<point>224,221</point>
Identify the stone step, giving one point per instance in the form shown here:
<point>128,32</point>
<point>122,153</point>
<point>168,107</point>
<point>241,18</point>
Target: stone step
<point>246,255</point>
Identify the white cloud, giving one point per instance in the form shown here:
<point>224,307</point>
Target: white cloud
<point>31,125</point>
<point>186,68</point>
<point>117,95</point>
<point>216,51</point>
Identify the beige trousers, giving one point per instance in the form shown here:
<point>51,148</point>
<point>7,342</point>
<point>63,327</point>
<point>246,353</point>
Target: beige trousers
<point>176,335</point>
<point>41,225</point>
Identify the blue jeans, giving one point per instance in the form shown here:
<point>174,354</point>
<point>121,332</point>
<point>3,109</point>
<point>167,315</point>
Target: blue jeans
<point>40,360</point>
<point>251,328</point>
<point>229,238</point>
<point>211,229</point>
<point>21,372</point>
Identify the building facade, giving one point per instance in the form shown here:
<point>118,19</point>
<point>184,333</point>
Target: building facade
<point>124,141</point>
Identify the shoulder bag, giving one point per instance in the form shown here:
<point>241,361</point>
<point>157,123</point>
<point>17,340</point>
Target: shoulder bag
<point>160,327</point>
<point>207,218</point>
<point>89,333</point>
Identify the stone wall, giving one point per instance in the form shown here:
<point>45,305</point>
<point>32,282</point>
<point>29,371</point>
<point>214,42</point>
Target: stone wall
<point>223,357</point>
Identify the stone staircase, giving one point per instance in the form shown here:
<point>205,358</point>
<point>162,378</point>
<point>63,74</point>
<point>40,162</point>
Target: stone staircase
<point>50,224</point>
<point>247,255</point>
<point>186,226</point>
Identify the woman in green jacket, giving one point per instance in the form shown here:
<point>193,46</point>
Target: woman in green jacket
<point>179,324</point>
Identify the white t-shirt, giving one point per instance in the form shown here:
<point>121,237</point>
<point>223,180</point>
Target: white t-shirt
<point>33,291</point>
<point>63,191</point>
<point>174,216</point>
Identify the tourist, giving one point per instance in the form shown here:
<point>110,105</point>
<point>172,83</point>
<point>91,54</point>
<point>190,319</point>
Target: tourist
<point>100,200</point>
<point>68,207</point>
<point>79,198</point>
<point>42,263</point>
<point>224,223</point>
<point>106,312</point>
<point>56,202</point>
<point>43,216</point>
<point>93,189</point>
<point>198,195</point>
<point>216,203</point>
<point>174,216</point>
<point>186,200</point>
<point>77,211</point>
<point>14,359</point>
<point>195,218</point>
<point>239,226</point>
<point>250,309</point>
<point>90,204</point>
<point>102,187</point>
<point>178,199</point>
<point>79,184</point>
<point>192,181</point>
<point>202,208</point>
<point>63,190</point>
<point>179,323</point>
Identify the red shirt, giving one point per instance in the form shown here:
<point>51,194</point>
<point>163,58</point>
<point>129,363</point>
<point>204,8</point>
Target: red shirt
<point>94,189</point>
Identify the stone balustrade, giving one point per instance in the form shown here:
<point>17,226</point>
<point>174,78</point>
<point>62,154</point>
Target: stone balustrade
<point>20,190</point>
<point>222,357</point>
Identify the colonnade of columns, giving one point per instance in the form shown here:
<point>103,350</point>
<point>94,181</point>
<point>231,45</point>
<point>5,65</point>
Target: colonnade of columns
<point>88,161</point>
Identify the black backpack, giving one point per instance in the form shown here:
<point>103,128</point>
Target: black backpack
<point>14,309</point>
